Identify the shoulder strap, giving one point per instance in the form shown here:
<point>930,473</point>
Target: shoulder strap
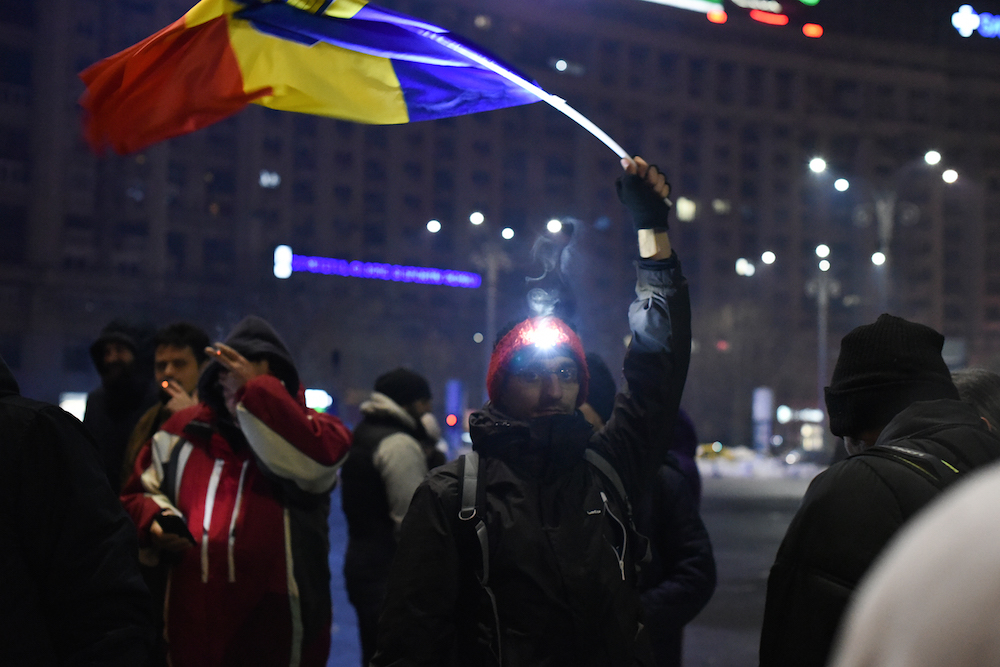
<point>937,471</point>
<point>472,513</point>
<point>608,470</point>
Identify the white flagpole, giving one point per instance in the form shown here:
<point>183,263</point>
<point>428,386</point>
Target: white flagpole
<point>553,100</point>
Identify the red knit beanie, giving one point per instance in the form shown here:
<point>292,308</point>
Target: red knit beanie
<point>543,332</point>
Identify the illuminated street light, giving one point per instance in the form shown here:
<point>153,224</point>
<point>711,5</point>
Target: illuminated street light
<point>878,258</point>
<point>824,265</point>
<point>932,158</point>
<point>433,226</point>
<point>477,337</point>
<point>817,165</point>
<point>949,176</point>
<point>507,233</point>
<point>554,226</point>
<point>841,184</point>
<point>822,250</point>
<point>561,65</point>
<point>477,218</point>
<point>768,257</point>
<point>745,267</point>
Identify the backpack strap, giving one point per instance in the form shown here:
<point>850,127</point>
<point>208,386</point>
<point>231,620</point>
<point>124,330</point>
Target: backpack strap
<point>935,470</point>
<point>608,470</point>
<point>472,513</point>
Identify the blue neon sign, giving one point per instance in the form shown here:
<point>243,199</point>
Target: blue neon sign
<point>285,263</point>
<point>966,21</point>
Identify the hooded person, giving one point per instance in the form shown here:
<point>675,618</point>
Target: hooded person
<point>522,552</point>
<point>893,401</point>
<point>387,464</point>
<point>123,357</point>
<point>70,588</point>
<point>247,475</point>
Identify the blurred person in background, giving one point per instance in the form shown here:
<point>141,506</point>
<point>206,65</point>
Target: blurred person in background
<point>123,357</point>
<point>388,462</point>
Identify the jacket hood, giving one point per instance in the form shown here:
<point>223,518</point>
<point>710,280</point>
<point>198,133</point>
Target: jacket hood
<point>382,408</point>
<point>8,385</point>
<point>136,336</point>
<point>255,339</point>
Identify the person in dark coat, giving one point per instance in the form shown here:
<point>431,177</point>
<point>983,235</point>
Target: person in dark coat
<point>388,462</point>
<point>123,357</point>
<point>680,578</point>
<point>540,569</point>
<point>70,588</point>
<point>893,401</point>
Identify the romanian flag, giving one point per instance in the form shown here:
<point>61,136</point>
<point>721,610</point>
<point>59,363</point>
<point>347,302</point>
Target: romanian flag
<point>340,58</point>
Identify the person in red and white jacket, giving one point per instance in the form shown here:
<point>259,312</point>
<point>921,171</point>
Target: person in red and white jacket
<point>249,470</point>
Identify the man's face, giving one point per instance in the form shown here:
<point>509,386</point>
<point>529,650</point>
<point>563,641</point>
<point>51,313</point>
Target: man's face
<point>118,362</point>
<point>178,364</point>
<point>541,386</point>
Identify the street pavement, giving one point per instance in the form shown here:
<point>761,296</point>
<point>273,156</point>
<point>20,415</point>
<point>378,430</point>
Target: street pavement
<point>746,506</point>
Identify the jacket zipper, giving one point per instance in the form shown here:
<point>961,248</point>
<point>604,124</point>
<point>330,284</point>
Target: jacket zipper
<point>619,556</point>
<point>206,524</point>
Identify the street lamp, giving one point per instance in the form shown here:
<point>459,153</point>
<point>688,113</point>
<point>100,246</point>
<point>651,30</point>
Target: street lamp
<point>822,287</point>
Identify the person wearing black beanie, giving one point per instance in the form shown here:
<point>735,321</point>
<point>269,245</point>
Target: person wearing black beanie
<point>893,401</point>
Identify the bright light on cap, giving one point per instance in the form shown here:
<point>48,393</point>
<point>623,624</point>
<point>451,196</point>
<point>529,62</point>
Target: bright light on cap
<point>932,157</point>
<point>949,176</point>
<point>544,336</point>
<point>554,226</point>
<point>477,218</point>
<point>507,233</point>
<point>822,250</point>
<point>817,165</point>
<point>768,257</point>
<point>841,184</point>
<point>878,258</point>
<point>433,226</point>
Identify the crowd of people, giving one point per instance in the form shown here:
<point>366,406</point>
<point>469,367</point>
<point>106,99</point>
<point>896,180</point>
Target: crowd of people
<point>185,521</point>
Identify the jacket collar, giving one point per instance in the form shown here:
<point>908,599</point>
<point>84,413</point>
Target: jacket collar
<point>542,447</point>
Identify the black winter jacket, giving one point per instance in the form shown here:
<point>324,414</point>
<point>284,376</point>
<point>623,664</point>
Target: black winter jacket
<point>680,579</point>
<point>561,561</point>
<point>70,588</point>
<point>848,515</point>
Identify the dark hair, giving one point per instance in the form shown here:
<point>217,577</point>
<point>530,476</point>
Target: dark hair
<point>980,388</point>
<point>181,335</point>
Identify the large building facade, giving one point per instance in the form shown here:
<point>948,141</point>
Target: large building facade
<point>732,112</point>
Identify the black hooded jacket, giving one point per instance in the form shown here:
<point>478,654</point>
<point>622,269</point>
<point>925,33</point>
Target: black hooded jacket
<point>113,411</point>
<point>561,559</point>
<point>849,514</point>
<point>70,588</point>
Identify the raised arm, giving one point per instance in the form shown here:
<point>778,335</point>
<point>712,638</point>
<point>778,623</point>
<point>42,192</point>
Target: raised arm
<point>659,353</point>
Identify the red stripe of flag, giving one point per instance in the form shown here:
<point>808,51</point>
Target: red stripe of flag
<point>161,88</point>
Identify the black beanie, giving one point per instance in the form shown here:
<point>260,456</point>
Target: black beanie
<point>403,386</point>
<point>882,369</point>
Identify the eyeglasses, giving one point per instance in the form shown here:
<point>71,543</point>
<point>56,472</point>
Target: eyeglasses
<point>533,376</point>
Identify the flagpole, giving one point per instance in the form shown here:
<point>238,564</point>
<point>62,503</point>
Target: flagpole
<point>554,101</point>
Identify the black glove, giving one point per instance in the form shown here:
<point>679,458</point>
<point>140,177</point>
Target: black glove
<point>648,209</point>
